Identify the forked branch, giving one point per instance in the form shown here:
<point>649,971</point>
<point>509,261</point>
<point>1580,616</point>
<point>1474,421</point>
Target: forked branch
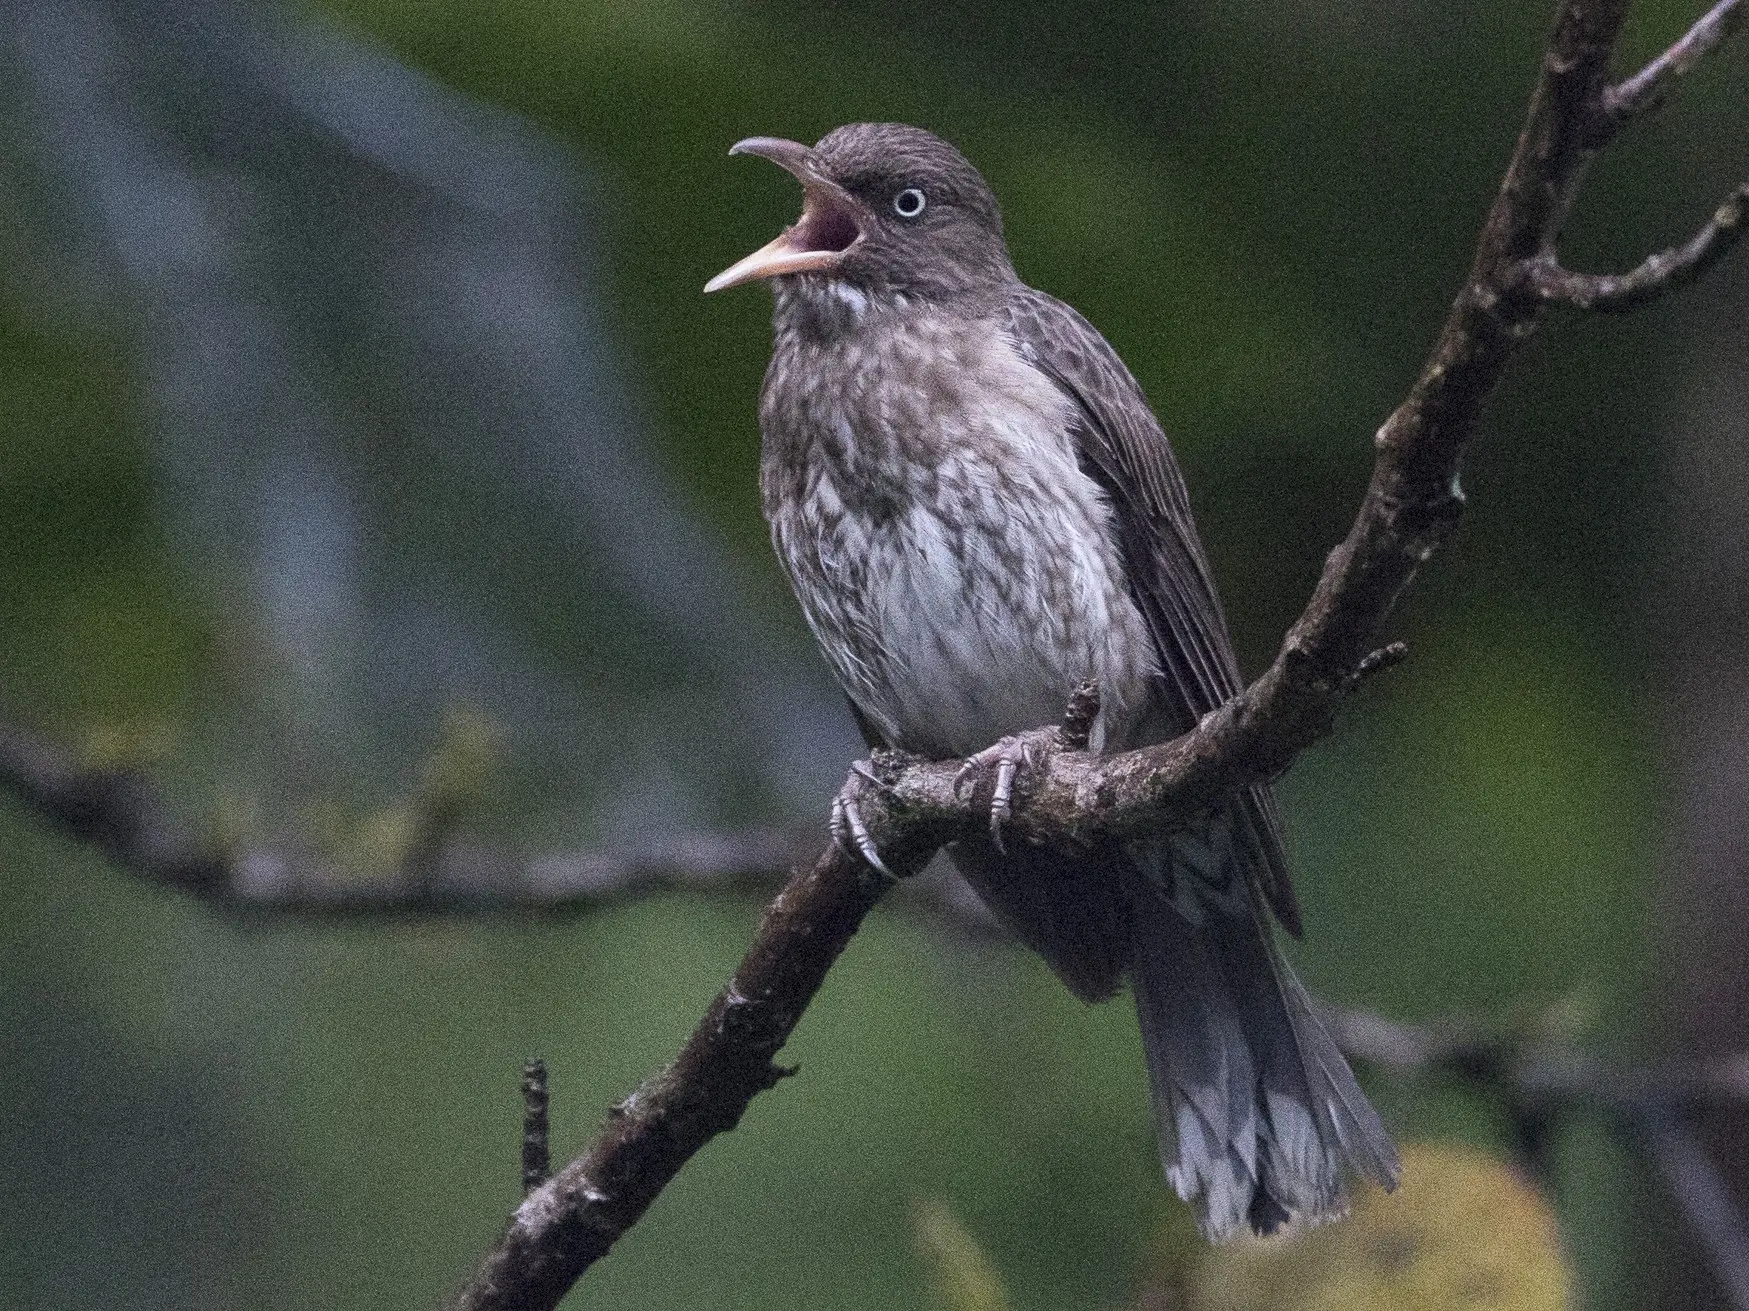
<point>1664,271</point>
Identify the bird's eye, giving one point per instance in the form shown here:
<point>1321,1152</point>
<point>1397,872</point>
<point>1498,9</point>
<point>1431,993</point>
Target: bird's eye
<point>909,203</point>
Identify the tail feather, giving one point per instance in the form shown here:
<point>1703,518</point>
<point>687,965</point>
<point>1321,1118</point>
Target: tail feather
<point>1260,1118</point>
<point>1344,1109</point>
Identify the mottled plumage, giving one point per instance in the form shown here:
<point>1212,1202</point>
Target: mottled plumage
<point>977,510</point>
<point>958,573</point>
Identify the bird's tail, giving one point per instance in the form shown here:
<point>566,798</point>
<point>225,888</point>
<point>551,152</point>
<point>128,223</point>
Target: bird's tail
<point>1260,1119</point>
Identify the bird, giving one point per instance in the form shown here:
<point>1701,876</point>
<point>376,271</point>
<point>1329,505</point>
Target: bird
<point>978,512</point>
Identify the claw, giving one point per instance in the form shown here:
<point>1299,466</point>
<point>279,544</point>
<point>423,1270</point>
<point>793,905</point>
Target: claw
<point>1002,799</point>
<point>861,768</point>
<point>848,832</point>
<point>972,766</point>
<point>1009,756</point>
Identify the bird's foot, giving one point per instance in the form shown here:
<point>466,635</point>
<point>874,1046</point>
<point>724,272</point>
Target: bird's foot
<point>849,833</point>
<point>1007,761</point>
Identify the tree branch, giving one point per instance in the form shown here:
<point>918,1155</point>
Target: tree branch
<point>113,809</point>
<point>120,812</point>
<point>566,1225</point>
<point>1533,1070</point>
<point>1658,273</point>
<point>123,815</point>
<point>1704,1198</point>
<point>537,1165</point>
<point>1648,89</point>
<point>1411,507</point>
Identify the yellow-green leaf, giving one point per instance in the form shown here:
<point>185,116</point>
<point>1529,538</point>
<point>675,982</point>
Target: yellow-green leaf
<point>1464,1232</point>
<point>963,1277</point>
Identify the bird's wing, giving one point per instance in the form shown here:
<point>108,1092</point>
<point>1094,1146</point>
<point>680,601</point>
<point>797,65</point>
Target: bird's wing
<point>1121,445</point>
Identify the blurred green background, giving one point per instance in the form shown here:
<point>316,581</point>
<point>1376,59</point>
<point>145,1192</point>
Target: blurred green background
<point>1266,208</point>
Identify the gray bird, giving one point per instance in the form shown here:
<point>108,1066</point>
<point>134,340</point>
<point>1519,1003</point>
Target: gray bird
<point>978,511</point>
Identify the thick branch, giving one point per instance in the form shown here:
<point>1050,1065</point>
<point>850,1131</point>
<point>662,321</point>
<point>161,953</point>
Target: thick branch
<point>565,1225</point>
<point>1657,274</point>
<point>1648,89</point>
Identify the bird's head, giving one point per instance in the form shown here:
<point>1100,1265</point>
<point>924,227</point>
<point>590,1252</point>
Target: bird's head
<point>886,209</point>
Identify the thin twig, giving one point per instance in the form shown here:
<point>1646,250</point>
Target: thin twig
<point>1648,89</point>
<point>1526,1067</point>
<point>1385,658</point>
<point>1079,718</point>
<point>537,1162</point>
<point>1665,271</point>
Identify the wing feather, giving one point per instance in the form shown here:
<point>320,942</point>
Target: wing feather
<point>1122,447</point>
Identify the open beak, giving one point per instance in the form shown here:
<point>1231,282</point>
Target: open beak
<point>829,226</point>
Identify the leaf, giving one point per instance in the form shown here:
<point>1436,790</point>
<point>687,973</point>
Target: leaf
<point>1464,1232</point>
<point>963,1277</point>
<point>128,744</point>
<point>469,750</point>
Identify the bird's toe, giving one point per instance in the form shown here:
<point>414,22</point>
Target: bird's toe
<point>1006,764</point>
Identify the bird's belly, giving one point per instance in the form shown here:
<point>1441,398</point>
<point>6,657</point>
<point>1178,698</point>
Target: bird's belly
<point>975,650</point>
<point>958,567</point>
<point>953,625</point>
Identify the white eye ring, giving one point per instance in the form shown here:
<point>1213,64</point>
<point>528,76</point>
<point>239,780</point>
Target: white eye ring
<point>909,203</point>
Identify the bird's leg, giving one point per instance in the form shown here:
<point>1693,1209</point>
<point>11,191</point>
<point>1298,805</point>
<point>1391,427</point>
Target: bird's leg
<point>1008,758</point>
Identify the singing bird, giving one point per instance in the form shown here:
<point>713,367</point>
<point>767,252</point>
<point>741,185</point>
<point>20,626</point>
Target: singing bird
<point>978,510</point>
